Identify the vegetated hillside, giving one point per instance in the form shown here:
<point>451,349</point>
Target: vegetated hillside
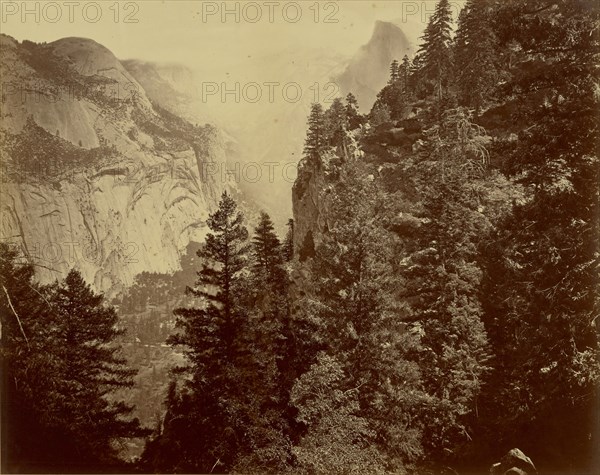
<point>97,177</point>
<point>463,209</point>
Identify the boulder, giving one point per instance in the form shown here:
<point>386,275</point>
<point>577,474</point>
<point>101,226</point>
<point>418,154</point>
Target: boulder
<point>515,462</point>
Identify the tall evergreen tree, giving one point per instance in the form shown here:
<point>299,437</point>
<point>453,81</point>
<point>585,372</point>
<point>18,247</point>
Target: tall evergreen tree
<point>435,52</point>
<point>60,363</point>
<point>394,72</point>
<point>316,138</point>
<point>270,372</point>
<point>353,116</point>
<point>268,259</point>
<point>288,243</point>
<point>212,338</point>
<point>444,279</point>
<point>85,330</point>
<point>542,265</point>
<point>476,55</point>
<point>405,72</point>
<point>335,123</point>
<point>358,390</point>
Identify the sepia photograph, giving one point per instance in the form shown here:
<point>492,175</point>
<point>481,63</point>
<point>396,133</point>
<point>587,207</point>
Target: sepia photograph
<point>312,237</point>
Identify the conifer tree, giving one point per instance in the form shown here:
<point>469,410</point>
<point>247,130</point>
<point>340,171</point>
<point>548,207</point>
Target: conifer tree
<point>60,362</point>
<point>542,279</point>
<point>476,55</point>
<point>435,52</point>
<point>353,116</point>
<point>394,72</point>
<point>335,123</point>
<point>26,368</point>
<point>288,243</point>
<point>444,280</point>
<point>268,259</point>
<point>85,331</point>
<point>270,370</point>
<point>405,72</point>
<point>316,136</point>
<point>356,390</point>
<point>212,338</point>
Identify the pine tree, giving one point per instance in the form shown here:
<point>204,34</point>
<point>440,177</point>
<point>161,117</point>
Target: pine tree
<point>405,72</point>
<point>335,123</point>
<point>435,52</point>
<point>476,55</point>
<point>394,72</point>
<point>27,371</point>
<point>85,330</point>
<point>60,362</point>
<point>416,84</point>
<point>353,117</point>
<point>316,135</point>
<point>288,243</point>
<point>358,389</point>
<point>269,371</point>
<point>444,280</point>
<point>212,338</point>
<point>543,306</point>
<point>268,259</point>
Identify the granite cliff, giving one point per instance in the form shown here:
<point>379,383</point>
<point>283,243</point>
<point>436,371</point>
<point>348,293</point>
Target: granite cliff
<point>95,175</point>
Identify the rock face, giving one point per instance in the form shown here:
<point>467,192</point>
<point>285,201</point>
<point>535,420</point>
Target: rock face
<point>264,137</point>
<point>95,175</point>
<point>368,71</point>
<point>311,193</point>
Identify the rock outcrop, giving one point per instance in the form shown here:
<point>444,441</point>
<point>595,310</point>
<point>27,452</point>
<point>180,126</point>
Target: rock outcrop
<point>311,193</point>
<point>95,175</point>
<point>514,462</point>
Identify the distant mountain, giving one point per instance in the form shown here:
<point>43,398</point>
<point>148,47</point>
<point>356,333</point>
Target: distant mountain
<point>268,132</point>
<point>96,175</point>
<point>256,134</point>
<point>368,71</point>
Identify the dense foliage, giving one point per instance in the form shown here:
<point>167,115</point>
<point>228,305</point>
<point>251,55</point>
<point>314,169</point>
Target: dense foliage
<point>58,365</point>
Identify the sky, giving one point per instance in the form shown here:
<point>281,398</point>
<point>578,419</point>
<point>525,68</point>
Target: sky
<point>233,41</point>
<point>211,35</point>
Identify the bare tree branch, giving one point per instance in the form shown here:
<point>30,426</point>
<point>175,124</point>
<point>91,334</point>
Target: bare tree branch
<point>16,315</point>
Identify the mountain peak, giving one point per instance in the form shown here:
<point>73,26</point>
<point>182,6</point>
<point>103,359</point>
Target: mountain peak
<point>368,70</point>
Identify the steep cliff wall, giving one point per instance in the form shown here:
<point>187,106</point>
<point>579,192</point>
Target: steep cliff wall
<point>95,176</point>
<point>311,193</point>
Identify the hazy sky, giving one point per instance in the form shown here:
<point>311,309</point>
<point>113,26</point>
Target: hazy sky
<point>202,35</point>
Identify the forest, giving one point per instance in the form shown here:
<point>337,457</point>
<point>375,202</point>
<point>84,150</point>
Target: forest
<point>444,311</point>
